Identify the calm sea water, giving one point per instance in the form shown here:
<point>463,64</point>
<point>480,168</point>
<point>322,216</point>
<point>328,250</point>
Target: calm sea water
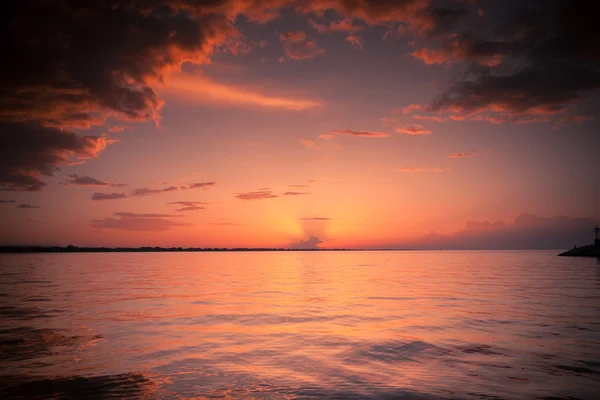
<point>286,325</point>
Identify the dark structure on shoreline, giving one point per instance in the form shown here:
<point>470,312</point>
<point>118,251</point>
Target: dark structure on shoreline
<point>592,250</point>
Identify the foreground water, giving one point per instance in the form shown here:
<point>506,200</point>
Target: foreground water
<point>407,325</point>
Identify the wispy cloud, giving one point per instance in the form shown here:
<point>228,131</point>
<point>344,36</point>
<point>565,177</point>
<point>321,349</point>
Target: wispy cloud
<point>315,219</point>
<point>6,201</point>
<point>188,203</point>
<point>225,224</point>
<point>415,169</point>
<point>88,181</point>
<point>335,26</point>
<point>355,41</point>
<point>202,185</point>
<point>298,186</point>
<point>190,208</point>
<point>27,206</point>
<point>147,192</point>
<point>108,196</point>
<point>413,129</point>
<point>297,46</point>
<point>192,87</point>
<point>309,144</point>
<point>464,154</point>
<point>258,195</point>
<point>294,193</point>
<point>365,134</point>
<point>138,222</point>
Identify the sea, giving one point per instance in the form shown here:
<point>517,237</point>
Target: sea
<point>300,325</point>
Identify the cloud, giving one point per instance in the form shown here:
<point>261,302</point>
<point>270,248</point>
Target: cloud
<point>147,192</point>
<point>108,196</point>
<point>89,181</point>
<point>191,208</point>
<point>297,46</point>
<point>309,144</point>
<point>525,231</point>
<point>335,26</point>
<point>29,150</point>
<point>6,201</point>
<point>298,186</point>
<point>188,203</point>
<point>464,154</point>
<point>314,219</point>
<point>190,87</point>
<point>258,195</point>
<point>365,134</point>
<point>415,169</point>
<point>531,63</point>
<point>428,118</point>
<point>312,242</point>
<point>138,222</point>
<point>414,129</point>
<point>417,16</point>
<point>136,215</point>
<point>326,136</point>
<point>355,41</point>
<point>573,119</point>
<point>71,67</point>
<point>202,185</point>
<point>27,206</point>
<point>294,193</point>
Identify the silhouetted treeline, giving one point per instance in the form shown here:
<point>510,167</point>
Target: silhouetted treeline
<point>74,249</point>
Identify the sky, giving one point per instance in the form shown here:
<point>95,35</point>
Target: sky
<point>287,123</point>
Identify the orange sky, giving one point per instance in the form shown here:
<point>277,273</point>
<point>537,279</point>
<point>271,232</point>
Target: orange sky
<point>242,124</point>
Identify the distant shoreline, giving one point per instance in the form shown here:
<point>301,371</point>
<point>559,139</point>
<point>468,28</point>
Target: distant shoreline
<point>74,249</point>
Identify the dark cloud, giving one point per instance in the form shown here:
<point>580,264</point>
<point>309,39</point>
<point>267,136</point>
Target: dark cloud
<point>190,208</point>
<point>366,134</point>
<point>188,203</point>
<point>89,181</point>
<point>108,196</point>
<point>27,206</point>
<point>312,242</point>
<point>73,65</point>
<point>138,222</point>
<point>202,185</point>
<point>30,150</point>
<point>148,192</point>
<point>136,215</point>
<point>526,231</point>
<point>258,195</point>
<point>531,62</point>
<point>6,201</point>
<point>294,193</point>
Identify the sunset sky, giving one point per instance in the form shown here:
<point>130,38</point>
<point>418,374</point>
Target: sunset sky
<point>366,124</point>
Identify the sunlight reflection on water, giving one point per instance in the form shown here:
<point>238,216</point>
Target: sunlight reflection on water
<point>409,325</point>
